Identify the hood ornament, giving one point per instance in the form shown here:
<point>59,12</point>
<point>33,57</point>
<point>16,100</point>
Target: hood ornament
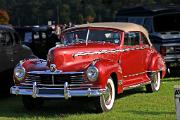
<point>53,67</point>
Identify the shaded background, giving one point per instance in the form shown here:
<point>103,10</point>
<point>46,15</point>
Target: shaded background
<point>38,12</point>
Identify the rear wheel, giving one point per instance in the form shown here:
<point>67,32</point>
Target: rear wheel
<point>155,82</point>
<point>106,101</point>
<point>31,103</point>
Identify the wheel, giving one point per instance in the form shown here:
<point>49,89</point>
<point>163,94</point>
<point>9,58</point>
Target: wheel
<point>155,82</point>
<point>105,102</point>
<point>31,103</point>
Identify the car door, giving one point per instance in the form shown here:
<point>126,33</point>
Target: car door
<point>132,59</point>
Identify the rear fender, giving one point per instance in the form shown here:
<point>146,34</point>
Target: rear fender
<point>156,63</point>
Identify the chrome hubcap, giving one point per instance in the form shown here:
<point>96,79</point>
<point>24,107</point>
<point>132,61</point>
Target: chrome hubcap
<point>108,96</point>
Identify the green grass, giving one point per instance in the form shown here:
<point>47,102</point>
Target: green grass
<point>133,104</point>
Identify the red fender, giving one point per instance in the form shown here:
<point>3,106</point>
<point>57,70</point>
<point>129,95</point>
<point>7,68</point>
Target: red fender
<point>156,63</point>
<point>106,68</point>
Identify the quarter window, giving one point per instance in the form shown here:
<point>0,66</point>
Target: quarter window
<point>132,38</point>
<point>144,40</point>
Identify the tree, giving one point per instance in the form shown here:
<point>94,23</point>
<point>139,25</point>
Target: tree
<point>65,14</point>
<point>4,17</point>
<point>89,13</point>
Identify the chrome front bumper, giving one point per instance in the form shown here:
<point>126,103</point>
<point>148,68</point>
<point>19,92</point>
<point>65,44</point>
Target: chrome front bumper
<point>51,92</point>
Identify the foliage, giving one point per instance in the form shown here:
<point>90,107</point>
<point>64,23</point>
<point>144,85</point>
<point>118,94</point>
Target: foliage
<point>31,12</point>
<point>4,17</point>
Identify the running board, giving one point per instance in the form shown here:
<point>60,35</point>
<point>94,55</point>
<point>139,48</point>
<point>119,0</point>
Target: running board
<point>137,85</point>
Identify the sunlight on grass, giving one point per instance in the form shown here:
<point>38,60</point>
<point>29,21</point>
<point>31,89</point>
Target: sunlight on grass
<point>133,104</point>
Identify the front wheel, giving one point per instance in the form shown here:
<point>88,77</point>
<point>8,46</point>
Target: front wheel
<point>155,82</point>
<point>106,101</point>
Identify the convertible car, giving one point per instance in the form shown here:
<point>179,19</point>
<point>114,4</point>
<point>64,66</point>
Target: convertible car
<point>97,60</point>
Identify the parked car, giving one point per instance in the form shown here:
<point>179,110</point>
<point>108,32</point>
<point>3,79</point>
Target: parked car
<point>39,38</point>
<point>163,24</point>
<point>98,60</point>
<point>11,52</point>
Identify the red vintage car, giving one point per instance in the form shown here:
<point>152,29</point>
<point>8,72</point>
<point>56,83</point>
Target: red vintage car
<point>97,60</point>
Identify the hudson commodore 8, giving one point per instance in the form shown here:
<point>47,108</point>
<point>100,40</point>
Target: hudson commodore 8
<point>96,61</point>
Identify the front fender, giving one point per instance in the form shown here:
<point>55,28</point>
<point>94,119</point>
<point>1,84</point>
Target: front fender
<point>34,65</point>
<point>106,69</point>
<point>157,64</point>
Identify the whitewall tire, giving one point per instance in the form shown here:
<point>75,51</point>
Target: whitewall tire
<point>155,82</point>
<point>106,101</point>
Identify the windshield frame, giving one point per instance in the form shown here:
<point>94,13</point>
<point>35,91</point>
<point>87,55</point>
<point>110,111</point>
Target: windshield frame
<point>120,32</point>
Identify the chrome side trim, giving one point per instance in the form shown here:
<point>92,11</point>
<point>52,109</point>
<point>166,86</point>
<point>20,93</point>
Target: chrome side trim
<point>109,51</point>
<point>132,75</point>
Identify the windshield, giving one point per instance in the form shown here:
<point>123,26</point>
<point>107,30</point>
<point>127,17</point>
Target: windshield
<point>167,22</point>
<point>90,35</point>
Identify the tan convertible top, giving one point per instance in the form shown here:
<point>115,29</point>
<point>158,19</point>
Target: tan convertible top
<point>124,26</point>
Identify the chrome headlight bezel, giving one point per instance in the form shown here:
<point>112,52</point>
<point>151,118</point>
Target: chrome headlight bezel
<point>92,73</point>
<point>19,72</point>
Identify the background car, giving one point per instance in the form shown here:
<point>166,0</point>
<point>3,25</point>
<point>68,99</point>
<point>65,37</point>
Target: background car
<point>11,52</point>
<point>163,24</point>
<point>97,61</point>
<point>39,38</point>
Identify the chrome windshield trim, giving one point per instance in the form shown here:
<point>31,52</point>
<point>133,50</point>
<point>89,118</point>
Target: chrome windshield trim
<point>57,72</point>
<point>87,36</point>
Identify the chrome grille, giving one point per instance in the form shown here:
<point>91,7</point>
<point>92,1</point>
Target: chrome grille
<point>55,79</point>
<point>177,49</point>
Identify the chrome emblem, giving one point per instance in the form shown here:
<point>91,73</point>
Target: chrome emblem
<point>53,68</point>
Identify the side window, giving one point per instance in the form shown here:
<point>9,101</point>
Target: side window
<point>144,40</point>
<point>28,37</point>
<point>6,39</point>
<point>132,38</point>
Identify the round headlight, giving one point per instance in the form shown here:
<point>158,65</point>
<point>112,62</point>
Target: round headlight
<point>19,73</point>
<point>92,73</point>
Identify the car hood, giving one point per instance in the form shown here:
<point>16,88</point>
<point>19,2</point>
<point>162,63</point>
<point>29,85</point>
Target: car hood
<point>79,56</point>
<point>166,37</point>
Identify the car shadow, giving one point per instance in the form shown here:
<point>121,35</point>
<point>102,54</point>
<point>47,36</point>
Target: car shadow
<point>13,107</point>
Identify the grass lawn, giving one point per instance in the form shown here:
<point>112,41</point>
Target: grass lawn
<point>133,104</point>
